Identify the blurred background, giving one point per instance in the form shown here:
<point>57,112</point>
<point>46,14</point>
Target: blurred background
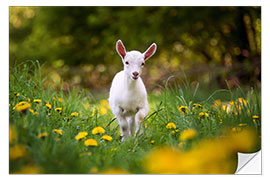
<point>216,46</point>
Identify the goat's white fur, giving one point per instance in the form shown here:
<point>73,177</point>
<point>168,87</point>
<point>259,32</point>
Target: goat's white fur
<point>128,96</point>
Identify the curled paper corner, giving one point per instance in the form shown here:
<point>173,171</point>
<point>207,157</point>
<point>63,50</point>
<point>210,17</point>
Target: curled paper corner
<point>249,163</point>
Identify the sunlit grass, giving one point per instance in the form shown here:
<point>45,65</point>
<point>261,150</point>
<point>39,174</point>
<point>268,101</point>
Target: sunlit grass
<point>54,131</point>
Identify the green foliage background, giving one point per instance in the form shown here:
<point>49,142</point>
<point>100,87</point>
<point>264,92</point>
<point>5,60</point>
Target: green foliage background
<point>77,44</point>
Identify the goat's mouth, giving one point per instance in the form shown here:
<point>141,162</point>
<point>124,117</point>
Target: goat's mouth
<point>135,77</point>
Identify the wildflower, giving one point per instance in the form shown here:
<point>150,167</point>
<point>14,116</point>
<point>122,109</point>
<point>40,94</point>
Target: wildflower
<point>42,135</point>
<point>59,131</point>
<point>171,125</point>
<point>17,151</point>
<point>60,99</point>
<point>93,170</point>
<point>187,134</point>
<point>16,94</point>
<point>106,137</point>
<point>196,106</point>
<point>104,103</point>
<point>31,110</point>
<point>59,110</point>
<point>49,106</point>
<point>98,130</point>
<point>102,110</point>
<point>29,169</point>
<point>145,125</point>
<point>90,142</point>
<point>217,103</point>
<point>183,109</point>
<point>37,100</point>
<point>22,106</point>
<point>173,131</point>
<point>81,135</point>
<point>53,98</point>
<point>74,114</point>
<point>242,124</point>
<point>12,134</point>
<point>28,99</point>
<point>242,101</point>
<point>181,144</point>
<point>255,117</point>
<point>152,141</point>
<point>35,113</point>
<point>115,171</point>
<point>203,115</point>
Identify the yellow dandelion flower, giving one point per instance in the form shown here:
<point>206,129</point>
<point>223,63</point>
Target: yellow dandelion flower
<point>242,124</point>
<point>37,100</point>
<point>59,110</point>
<point>203,115</point>
<point>115,171</point>
<point>103,110</point>
<point>17,151</point>
<point>74,114</point>
<point>31,110</point>
<point>53,98</point>
<point>60,99</point>
<point>98,130</point>
<point>29,169</point>
<point>152,141</point>
<point>173,131</point>
<point>196,106</point>
<point>12,134</point>
<point>28,99</point>
<point>59,131</point>
<point>183,109</point>
<point>171,125</point>
<point>107,137</point>
<point>35,113</point>
<point>16,94</point>
<point>93,170</point>
<point>49,106</point>
<point>187,134</point>
<point>255,117</point>
<point>22,106</point>
<point>81,135</point>
<point>181,144</point>
<point>90,142</point>
<point>104,103</point>
<point>42,135</point>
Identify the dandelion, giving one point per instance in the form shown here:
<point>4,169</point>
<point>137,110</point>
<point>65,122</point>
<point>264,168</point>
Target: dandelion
<point>203,115</point>
<point>242,124</point>
<point>59,110</point>
<point>255,117</point>
<point>171,125</point>
<point>37,100</point>
<point>49,106</point>
<point>59,131</point>
<point>53,98</point>
<point>242,101</point>
<point>152,141</point>
<point>42,135</point>
<point>16,94</point>
<point>104,103</point>
<point>187,134</point>
<point>181,144</point>
<point>17,151</point>
<point>103,110</point>
<point>74,114</point>
<point>22,106</point>
<point>183,109</point>
<point>93,170</point>
<point>35,113</point>
<point>60,99</point>
<point>28,99</point>
<point>106,137</point>
<point>12,134</point>
<point>90,142</point>
<point>29,169</point>
<point>81,135</point>
<point>98,130</point>
<point>196,106</point>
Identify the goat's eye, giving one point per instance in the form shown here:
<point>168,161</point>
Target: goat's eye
<point>142,64</point>
<point>127,62</point>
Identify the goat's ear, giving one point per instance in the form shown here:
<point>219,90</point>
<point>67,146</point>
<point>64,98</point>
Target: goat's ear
<point>120,48</point>
<point>150,51</point>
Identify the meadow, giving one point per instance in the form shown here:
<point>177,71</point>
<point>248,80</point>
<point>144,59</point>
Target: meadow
<point>189,129</point>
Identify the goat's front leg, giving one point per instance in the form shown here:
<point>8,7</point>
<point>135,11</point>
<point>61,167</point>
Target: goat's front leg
<point>122,123</point>
<point>131,126</point>
<point>139,117</point>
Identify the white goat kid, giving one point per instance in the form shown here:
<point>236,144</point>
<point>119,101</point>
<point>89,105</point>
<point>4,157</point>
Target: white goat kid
<point>128,96</point>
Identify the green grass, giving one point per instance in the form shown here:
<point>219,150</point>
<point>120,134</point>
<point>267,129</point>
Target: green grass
<point>63,154</point>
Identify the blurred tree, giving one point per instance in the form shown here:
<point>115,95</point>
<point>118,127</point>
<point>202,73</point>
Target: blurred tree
<point>208,43</point>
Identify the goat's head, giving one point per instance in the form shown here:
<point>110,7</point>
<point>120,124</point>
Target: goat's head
<point>134,60</point>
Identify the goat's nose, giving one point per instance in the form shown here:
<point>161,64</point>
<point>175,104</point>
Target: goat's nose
<point>135,74</point>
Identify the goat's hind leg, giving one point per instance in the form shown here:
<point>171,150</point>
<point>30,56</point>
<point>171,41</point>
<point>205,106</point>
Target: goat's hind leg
<point>139,117</point>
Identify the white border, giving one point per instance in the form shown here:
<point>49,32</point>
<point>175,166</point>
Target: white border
<point>4,70</point>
